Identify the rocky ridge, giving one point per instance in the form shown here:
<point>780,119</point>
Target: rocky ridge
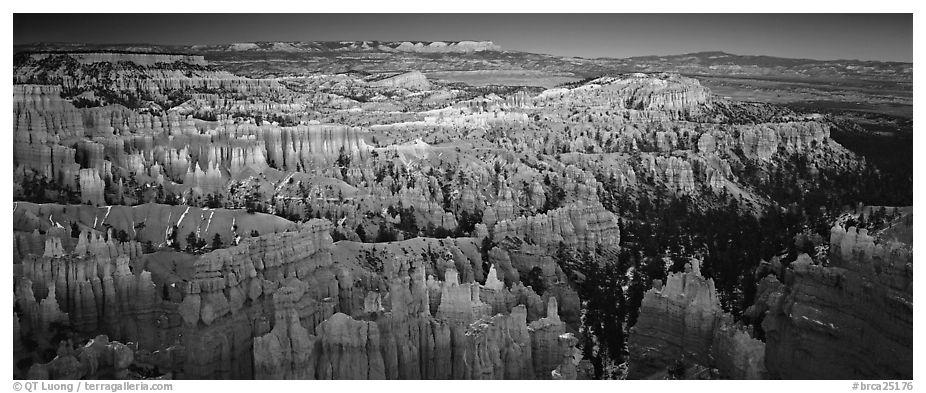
<point>819,319</point>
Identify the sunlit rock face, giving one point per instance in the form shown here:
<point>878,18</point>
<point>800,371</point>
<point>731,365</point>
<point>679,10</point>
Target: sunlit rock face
<point>578,226</point>
<point>442,47</point>
<point>141,59</point>
<point>850,319</point>
<point>123,152</point>
<point>668,93</point>
<point>151,73</point>
<point>414,80</point>
<point>91,187</point>
<point>763,141</point>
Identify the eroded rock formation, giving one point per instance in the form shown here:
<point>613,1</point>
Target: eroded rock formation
<point>348,225</point>
<point>851,319</point>
<point>682,322</point>
<point>578,226</point>
<point>405,341</point>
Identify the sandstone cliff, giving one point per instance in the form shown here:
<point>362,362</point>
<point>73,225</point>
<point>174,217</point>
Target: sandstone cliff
<point>579,226</point>
<point>406,341</point>
<point>153,74</point>
<point>683,322</point>
<point>413,80</point>
<point>850,319</point>
<point>223,304</point>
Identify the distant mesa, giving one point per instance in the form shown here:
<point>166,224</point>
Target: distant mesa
<point>353,46</point>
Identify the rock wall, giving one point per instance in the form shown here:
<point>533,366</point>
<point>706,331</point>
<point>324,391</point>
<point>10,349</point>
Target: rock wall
<point>91,187</point>
<point>683,322</point>
<point>155,74</point>
<point>172,147</point>
<point>852,319</point>
<point>286,352</point>
<point>443,47</point>
<point>579,226</point>
<point>404,340</point>
<point>98,359</point>
<point>762,141</point>
<point>736,354</point>
<point>413,80</point>
<point>142,59</point>
<point>230,297</point>
<point>35,317</point>
<point>283,294</point>
<point>95,286</point>
<point>641,92</point>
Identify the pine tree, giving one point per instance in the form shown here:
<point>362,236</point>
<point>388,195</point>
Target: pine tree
<point>173,238</point>
<point>191,241</point>
<point>122,236</point>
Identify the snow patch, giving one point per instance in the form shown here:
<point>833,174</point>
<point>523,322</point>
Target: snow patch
<point>108,209</point>
<point>284,181</point>
<point>167,229</point>
<point>183,215</point>
<point>53,222</point>
<point>209,221</point>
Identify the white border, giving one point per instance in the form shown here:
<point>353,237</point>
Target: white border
<point>372,6</point>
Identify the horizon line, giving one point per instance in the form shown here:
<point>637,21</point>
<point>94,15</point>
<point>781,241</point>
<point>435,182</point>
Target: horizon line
<point>503,49</point>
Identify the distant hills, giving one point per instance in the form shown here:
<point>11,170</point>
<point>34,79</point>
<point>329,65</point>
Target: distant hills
<point>279,47</point>
<point>722,63</point>
<point>286,58</point>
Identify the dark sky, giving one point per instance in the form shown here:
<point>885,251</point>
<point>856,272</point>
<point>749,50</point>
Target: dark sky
<point>886,37</point>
